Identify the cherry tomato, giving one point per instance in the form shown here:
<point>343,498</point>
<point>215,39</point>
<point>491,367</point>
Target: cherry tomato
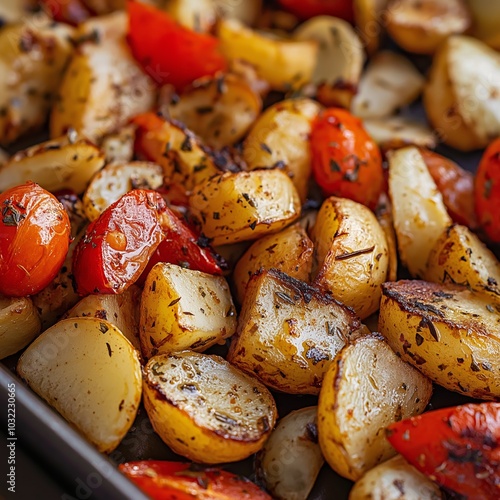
<point>34,239</point>
<point>117,246</point>
<point>346,162</point>
<point>162,480</point>
<point>487,191</point>
<point>456,186</point>
<point>67,11</point>
<point>306,9</point>
<point>458,447</point>
<point>168,52</point>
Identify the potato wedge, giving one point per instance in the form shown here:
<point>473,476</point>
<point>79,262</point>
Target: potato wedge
<point>390,82</point>
<point>420,216</point>
<point>291,459</point>
<point>120,310</point>
<point>352,254</point>
<point>205,409</point>
<point>245,205</point>
<point>68,162</point>
<point>395,132</point>
<point>289,333</point>
<point>460,257</point>
<point>395,479</point>
<point>370,22</point>
<point>447,332</point>
<point>184,309</point>
<point>366,389</point>
<point>119,146</point>
<point>462,96</point>
<point>90,373</point>
<point>197,15</point>
<point>34,57</point>
<point>219,110</point>
<point>421,26</point>
<point>340,57</point>
<point>19,324</point>
<point>290,251</point>
<point>285,63</point>
<point>114,180</point>
<point>102,89</point>
<point>280,137</point>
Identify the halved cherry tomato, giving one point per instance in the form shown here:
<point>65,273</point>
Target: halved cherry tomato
<point>306,9</point>
<point>162,480</point>
<point>167,51</point>
<point>67,11</point>
<point>458,447</point>
<point>118,245</point>
<point>487,191</point>
<point>456,186</point>
<point>34,239</point>
<point>346,161</point>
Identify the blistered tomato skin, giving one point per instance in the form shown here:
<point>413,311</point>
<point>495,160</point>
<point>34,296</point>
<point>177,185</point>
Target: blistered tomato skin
<point>346,162</point>
<point>118,245</point>
<point>305,9</point>
<point>34,239</point>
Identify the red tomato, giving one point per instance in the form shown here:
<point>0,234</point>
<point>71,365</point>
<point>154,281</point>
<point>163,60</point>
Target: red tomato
<point>345,160</point>
<point>162,480</point>
<point>34,239</point>
<point>306,9</point>
<point>117,246</point>
<point>458,447</point>
<point>487,191</point>
<point>456,186</point>
<point>67,11</point>
<point>168,52</point>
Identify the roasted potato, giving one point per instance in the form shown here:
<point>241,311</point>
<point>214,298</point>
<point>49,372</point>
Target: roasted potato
<point>370,22</point>
<point>205,409</point>
<point>290,251</point>
<point>462,95</point>
<point>289,333</point>
<point>34,57</point>
<point>486,20</point>
<point>364,390</point>
<point>280,137</point>
<point>447,332</point>
<point>386,221</point>
<point>246,12</point>
<point>90,373</point>
<point>220,110</point>
<point>460,257</point>
<point>184,309</point>
<point>284,63</point>
<point>197,15</point>
<point>421,26</point>
<point>119,146</point>
<point>390,82</point>
<point>19,324</point>
<point>68,162</point>
<point>420,216</point>
<point>114,180</point>
<point>242,206</point>
<point>291,458</point>
<point>395,479</point>
<point>103,28</point>
<point>352,254</point>
<point>16,12</point>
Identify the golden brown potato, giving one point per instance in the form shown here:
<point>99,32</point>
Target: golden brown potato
<point>242,206</point>
<point>462,96</point>
<point>420,26</point>
<point>118,147</point>
<point>289,333</point>
<point>460,257</point>
<point>197,15</point>
<point>366,389</point>
<point>447,332</point>
<point>486,20</point>
<point>280,137</point>
<point>90,373</point>
<point>386,221</point>
<point>290,251</point>
<point>16,12</point>
<point>370,24</point>
<point>220,110</point>
<point>206,409</point>
<point>184,309</point>
<point>352,254</point>
<point>285,63</point>
<point>246,12</point>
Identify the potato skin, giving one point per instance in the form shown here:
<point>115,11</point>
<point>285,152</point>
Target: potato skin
<point>447,332</point>
<point>205,409</point>
<point>352,254</point>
